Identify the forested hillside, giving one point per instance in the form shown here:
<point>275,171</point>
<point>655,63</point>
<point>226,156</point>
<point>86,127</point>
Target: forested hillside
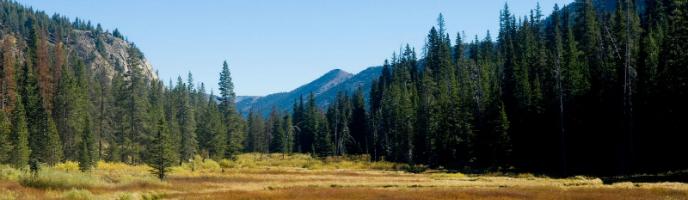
<point>583,90</point>
<point>72,91</point>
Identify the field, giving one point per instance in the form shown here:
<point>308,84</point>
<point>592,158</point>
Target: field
<point>276,176</point>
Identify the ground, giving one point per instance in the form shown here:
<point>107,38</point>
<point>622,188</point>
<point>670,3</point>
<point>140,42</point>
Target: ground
<point>255,176</point>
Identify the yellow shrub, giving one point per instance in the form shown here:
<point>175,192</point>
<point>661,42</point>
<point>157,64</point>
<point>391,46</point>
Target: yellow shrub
<point>225,163</point>
<point>67,166</point>
<point>9,173</point>
<point>118,166</point>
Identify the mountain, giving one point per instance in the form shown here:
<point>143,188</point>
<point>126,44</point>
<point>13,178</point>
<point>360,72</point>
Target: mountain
<point>105,53</point>
<point>325,89</point>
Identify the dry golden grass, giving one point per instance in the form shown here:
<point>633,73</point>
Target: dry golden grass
<point>255,176</point>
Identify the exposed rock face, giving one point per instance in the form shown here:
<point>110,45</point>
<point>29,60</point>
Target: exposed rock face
<point>106,55</point>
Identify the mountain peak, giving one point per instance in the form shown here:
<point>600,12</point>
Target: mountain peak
<point>324,88</point>
<point>336,73</point>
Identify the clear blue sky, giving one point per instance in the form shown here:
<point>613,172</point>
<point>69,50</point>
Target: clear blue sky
<point>275,46</point>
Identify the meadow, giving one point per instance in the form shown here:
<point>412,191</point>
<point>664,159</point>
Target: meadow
<point>299,176</point>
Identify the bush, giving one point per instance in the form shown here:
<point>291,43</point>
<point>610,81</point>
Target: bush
<point>416,169</point>
<point>68,166</point>
<point>197,165</point>
<point>121,167</point>
<point>10,174</point>
<point>54,179</point>
<point>75,194</point>
<point>152,196</point>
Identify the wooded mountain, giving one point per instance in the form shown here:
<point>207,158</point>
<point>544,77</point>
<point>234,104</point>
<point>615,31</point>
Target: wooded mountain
<point>71,91</point>
<point>325,89</point>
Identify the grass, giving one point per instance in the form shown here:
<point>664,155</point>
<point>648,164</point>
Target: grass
<point>298,176</point>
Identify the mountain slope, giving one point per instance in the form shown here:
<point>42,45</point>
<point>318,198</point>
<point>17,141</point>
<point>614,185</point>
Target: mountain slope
<point>325,89</point>
<point>105,53</point>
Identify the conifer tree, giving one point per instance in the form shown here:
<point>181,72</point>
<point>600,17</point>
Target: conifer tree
<point>358,125</point>
<point>161,156</point>
<point>235,126</point>
<point>187,122</point>
<point>9,64</point>
<point>20,137</point>
<point>86,148</point>
<point>6,145</point>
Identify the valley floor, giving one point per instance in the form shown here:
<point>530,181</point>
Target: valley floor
<point>266,179</point>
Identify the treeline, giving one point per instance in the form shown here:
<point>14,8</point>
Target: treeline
<point>585,90</point>
<point>54,108</point>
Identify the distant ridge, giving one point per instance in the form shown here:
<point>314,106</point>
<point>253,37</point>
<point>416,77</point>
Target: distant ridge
<point>325,89</point>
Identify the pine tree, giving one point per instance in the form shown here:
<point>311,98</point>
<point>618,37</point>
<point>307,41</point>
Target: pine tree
<point>20,137</point>
<point>161,156</point>
<point>358,125</point>
<point>288,128</point>
<point>187,122</point>
<point>86,148</point>
<point>322,138</point>
<point>135,104</point>
<point>211,130</point>
<point>235,126</point>
<point>41,61</point>
<point>278,134</point>
<point>6,145</point>
<point>9,64</point>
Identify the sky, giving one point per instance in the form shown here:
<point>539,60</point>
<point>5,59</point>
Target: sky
<point>276,46</point>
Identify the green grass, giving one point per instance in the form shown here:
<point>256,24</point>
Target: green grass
<point>55,179</point>
<point>10,174</point>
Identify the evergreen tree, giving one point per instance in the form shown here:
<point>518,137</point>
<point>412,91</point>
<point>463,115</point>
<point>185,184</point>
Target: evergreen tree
<point>211,130</point>
<point>87,148</point>
<point>235,126</point>
<point>161,156</point>
<point>358,125</point>
<point>278,134</point>
<point>20,137</point>
<point>288,129</point>
<point>6,145</point>
<point>187,122</point>
<point>9,64</point>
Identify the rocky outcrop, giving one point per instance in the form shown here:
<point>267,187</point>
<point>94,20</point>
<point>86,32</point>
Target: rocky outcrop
<point>107,55</point>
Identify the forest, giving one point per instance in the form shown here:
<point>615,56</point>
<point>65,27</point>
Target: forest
<point>583,90</point>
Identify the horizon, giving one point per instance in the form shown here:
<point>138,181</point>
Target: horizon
<point>290,44</point>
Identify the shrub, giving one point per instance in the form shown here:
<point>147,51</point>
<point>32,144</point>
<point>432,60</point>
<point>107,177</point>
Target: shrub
<point>416,169</point>
<point>75,194</point>
<point>8,173</point>
<point>68,166</point>
<point>54,179</point>
<point>152,196</point>
<point>225,163</point>
<point>121,167</point>
<point>205,165</point>
<point>196,166</point>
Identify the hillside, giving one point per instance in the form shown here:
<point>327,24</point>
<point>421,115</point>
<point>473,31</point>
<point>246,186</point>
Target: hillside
<point>105,53</point>
<point>325,89</point>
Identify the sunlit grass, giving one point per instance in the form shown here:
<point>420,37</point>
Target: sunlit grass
<point>300,176</point>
